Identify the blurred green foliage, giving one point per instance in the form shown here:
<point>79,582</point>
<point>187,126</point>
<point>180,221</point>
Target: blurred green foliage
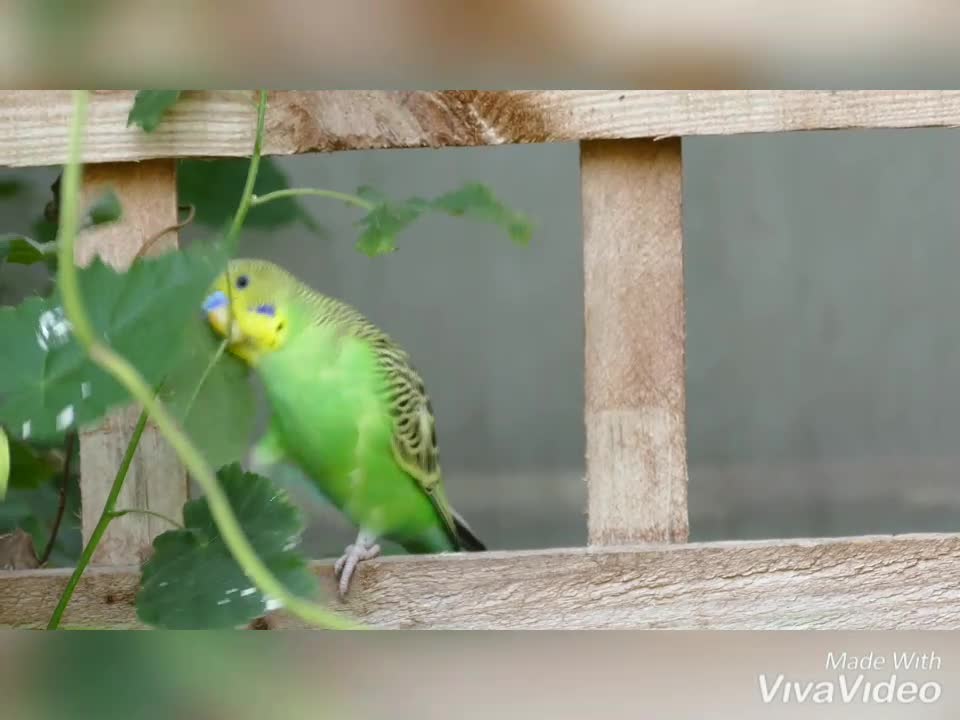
<point>219,417</point>
<point>149,107</point>
<point>49,384</point>
<point>162,676</point>
<point>36,476</point>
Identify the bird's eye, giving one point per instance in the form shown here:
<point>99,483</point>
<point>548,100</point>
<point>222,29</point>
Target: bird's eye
<point>243,281</point>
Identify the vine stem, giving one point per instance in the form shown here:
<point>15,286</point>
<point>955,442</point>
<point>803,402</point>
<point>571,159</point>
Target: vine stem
<point>206,373</point>
<point>151,513</point>
<point>230,529</point>
<point>101,527</point>
<point>47,248</point>
<point>232,237</point>
<point>62,498</point>
<point>349,199</point>
<point>157,235</point>
<point>246,199</point>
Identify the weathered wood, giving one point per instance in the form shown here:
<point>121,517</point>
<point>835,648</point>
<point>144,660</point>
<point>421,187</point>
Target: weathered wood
<point>634,344</point>
<point>17,551</point>
<point>875,583</point>
<point>156,480</point>
<point>33,124</point>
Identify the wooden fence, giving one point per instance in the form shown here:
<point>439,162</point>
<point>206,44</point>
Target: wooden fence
<point>638,571</point>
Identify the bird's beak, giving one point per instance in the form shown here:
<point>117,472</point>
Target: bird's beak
<point>216,307</point>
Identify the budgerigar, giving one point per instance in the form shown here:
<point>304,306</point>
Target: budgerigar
<point>347,408</point>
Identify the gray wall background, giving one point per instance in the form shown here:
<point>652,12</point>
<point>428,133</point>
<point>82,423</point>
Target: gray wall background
<point>823,345</point>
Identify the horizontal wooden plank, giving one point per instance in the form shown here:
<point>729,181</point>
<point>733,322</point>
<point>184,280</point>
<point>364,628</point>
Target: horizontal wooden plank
<point>33,124</point>
<point>877,583</point>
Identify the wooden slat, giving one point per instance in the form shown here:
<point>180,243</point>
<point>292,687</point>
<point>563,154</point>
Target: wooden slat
<point>634,344</point>
<point>33,124</point>
<point>876,583</point>
<point>156,480</point>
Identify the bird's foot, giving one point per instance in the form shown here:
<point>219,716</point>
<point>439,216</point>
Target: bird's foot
<point>365,548</point>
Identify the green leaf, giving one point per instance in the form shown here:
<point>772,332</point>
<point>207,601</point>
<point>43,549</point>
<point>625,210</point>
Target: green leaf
<point>371,194</point>
<point>105,209</point>
<point>149,107</point>
<point>35,510</point>
<point>11,187</point>
<point>44,232</point>
<point>47,382</point>
<point>192,580</point>
<point>382,225</point>
<point>214,187</point>
<point>42,504</point>
<point>29,469</point>
<point>4,463</point>
<point>387,219</point>
<point>220,417</point>
<point>477,202</point>
<point>21,250</point>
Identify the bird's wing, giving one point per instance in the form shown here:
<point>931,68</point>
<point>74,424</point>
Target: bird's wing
<point>414,431</point>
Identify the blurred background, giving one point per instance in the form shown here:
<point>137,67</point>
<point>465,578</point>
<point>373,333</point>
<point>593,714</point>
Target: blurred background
<point>823,354</point>
<point>497,44</point>
<point>423,675</point>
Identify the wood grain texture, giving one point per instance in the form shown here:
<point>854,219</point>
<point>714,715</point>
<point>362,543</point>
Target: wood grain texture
<point>33,124</point>
<point>634,344</point>
<point>156,480</point>
<point>17,551</point>
<point>875,583</point>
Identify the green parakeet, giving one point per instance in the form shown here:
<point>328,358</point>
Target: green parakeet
<point>347,408</point>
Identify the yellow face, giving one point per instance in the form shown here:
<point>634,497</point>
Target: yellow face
<point>250,295</point>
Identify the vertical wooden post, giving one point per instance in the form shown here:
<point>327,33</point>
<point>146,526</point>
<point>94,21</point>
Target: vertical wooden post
<point>635,335</point>
<point>156,480</point>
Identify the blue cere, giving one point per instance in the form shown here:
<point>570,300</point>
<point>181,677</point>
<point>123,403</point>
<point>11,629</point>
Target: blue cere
<point>215,301</point>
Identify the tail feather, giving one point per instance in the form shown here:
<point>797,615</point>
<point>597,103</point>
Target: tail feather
<point>465,536</point>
